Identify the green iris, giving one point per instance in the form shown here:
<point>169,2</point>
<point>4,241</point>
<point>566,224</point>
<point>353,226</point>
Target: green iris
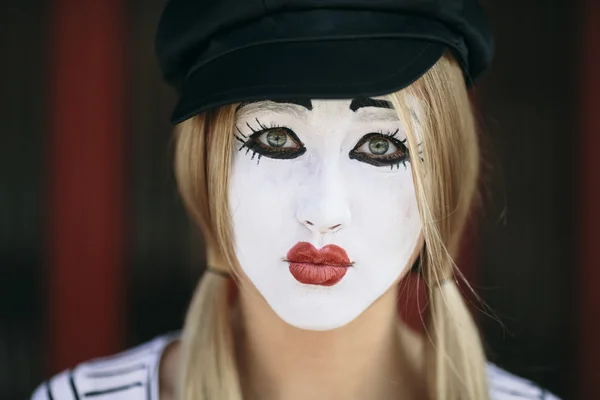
<point>277,138</point>
<point>379,146</point>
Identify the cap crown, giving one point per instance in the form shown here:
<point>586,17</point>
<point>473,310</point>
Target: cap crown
<point>188,26</point>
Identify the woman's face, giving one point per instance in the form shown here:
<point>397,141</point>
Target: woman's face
<point>323,205</point>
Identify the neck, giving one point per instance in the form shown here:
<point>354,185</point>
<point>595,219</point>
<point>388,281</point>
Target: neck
<point>364,359</point>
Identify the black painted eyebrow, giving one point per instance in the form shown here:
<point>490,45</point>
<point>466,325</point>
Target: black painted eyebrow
<point>369,102</point>
<point>306,103</point>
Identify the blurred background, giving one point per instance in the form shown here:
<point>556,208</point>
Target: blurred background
<point>96,253</point>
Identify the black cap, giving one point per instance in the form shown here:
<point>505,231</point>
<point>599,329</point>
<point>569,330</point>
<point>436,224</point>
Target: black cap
<point>216,52</point>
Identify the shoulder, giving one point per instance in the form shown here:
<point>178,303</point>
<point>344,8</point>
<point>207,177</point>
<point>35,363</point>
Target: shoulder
<point>506,386</point>
<point>130,375</point>
<point>133,375</point>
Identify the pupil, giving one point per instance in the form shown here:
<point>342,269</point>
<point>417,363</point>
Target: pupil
<point>276,138</point>
<point>379,146</point>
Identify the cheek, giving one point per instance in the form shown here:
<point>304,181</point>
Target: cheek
<point>384,200</point>
<point>250,197</point>
<point>385,213</point>
<point>265,191</point>
<point>261,201</point>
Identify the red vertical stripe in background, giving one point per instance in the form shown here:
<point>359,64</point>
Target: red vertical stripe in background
<point>84,232</point>
<point>588,281</point>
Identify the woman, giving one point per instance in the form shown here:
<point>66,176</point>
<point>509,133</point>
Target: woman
<point>325,149</point>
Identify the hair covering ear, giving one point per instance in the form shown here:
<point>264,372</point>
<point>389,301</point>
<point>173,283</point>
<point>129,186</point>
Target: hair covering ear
<point>416,267</point>
<point>216,263</point>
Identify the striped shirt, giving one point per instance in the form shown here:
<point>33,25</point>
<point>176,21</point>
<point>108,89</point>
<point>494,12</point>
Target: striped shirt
<point>133,375</point>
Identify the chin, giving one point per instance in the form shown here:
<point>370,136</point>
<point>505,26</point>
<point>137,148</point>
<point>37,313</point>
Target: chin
<point>316,315</point>
<point>319,326</point>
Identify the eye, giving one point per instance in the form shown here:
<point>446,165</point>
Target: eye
<point>381,150</point>
<point>277,142</point>
<point>277,137</point>
<point>378,146</point>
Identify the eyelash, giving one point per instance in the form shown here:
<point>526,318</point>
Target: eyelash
<point>253,144</point>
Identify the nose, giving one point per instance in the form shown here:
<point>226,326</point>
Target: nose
<point>324,206</point>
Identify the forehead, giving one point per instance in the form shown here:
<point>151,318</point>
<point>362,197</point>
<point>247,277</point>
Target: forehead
<point>380,107</point>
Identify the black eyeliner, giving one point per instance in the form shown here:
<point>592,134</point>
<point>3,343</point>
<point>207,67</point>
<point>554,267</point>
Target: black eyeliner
<point>253,143</point>
<point>382,161</point>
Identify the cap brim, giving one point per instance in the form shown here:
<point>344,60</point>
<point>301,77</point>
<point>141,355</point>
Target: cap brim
<point>340,69</point>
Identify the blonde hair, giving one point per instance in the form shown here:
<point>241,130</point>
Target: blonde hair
<point>445,177</point>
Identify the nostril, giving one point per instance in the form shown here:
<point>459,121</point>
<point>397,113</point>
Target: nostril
<point>334,227</point>
<point>307,222</point>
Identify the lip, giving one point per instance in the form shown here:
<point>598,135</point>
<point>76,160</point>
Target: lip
<point>324,267</point>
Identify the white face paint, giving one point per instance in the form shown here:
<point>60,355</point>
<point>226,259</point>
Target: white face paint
<point>328,193</point>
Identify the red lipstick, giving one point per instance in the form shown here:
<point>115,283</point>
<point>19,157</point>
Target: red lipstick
<point>324,267</point>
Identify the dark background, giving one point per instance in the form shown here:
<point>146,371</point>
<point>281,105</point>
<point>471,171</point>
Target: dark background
<point>96,253</point>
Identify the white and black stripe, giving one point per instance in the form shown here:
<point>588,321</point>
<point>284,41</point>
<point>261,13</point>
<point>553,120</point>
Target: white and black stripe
<point>506,386</point>
<point>72,384</point>
<point>133,375</point>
